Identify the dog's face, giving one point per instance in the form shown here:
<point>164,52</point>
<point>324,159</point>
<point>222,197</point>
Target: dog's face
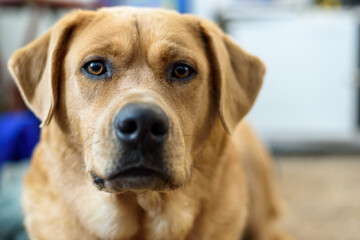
<point>137,92</point>
<point>138,81</point>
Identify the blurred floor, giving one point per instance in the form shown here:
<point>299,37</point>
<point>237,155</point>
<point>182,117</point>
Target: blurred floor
<point>323,196</point>
<point>11,223</point>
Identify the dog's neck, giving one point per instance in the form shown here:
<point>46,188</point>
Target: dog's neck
<point>147,213</point>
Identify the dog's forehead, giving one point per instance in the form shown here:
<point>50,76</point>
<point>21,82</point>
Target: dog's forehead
<point>144,15</point>
<point>137,11</point>
<point>123,31</point>
<point>145,25</point>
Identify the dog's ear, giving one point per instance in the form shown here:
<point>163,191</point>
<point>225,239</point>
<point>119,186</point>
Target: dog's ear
<point>36,68</point>
<point>238,75</point>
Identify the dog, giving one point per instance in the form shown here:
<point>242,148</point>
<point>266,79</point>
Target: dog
<point>140,112</point>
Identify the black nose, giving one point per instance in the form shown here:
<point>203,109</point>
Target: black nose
<point>141,123</point>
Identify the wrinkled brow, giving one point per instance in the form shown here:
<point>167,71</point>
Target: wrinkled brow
<point>121,48</point>
<point>169,50</point>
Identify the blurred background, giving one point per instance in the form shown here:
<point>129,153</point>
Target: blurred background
<point>308,112</point>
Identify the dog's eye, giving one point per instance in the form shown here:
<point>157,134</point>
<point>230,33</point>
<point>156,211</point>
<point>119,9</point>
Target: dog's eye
<point>95,67</point>
<point>181,71</point>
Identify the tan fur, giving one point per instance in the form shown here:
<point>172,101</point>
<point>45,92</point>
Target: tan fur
<point>222,186</point>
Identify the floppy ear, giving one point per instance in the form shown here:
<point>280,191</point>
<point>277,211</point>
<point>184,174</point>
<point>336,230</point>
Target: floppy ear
<point>36,68</point>
<point>238,75</point>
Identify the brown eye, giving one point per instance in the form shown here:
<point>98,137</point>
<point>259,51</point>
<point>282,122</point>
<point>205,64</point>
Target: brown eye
<point>182,71</point>
<point>96,68</point>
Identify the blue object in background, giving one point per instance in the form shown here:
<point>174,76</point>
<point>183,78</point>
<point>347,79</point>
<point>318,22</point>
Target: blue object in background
<point>183,6</point>
<point>19,133</point>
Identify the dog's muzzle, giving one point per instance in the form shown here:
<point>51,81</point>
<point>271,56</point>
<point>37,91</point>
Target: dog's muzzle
<point>142,130</point>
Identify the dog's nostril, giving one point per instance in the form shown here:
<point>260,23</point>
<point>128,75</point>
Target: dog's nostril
<point>141,122</point>
<point>158,129</point>
<point>128,126</point>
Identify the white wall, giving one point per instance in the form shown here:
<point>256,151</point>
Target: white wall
<point>310,86</point>
<point>14,22</point>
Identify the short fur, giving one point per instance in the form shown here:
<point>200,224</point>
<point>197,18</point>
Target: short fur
<point>222,186</point>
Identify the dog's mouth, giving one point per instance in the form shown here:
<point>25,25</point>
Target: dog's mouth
<point>134,178</point>
<point>135,172</point>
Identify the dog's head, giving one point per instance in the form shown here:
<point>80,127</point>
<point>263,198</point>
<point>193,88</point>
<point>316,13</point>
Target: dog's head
<point>136,91</point>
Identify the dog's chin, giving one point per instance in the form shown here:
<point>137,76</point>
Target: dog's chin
<point>135,179</point>
<point>120,185</point>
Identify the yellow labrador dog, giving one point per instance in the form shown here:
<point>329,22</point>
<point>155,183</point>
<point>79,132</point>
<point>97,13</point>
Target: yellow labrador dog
<point>137,109</point>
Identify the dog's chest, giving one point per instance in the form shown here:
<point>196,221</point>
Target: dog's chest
<point>148,217</point>
<point>169,215</point>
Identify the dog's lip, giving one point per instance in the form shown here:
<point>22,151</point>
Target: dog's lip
<point>137,177</point>
<point>136,172</point>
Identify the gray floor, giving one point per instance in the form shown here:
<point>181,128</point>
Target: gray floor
<point>322,195</point>
<point>11,227</point>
